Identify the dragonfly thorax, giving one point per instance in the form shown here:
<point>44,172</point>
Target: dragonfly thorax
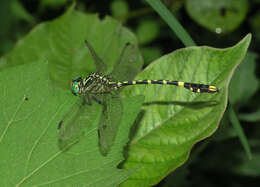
<point>95,83</point>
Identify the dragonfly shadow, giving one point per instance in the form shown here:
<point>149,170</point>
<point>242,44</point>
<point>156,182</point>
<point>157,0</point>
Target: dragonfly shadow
<point>194,104</point>
<point>64,145</point>
<point>132,132</point>
<point>140,116</point>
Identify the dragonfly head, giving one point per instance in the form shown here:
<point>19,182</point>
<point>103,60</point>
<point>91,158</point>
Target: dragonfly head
<point>76,86</point>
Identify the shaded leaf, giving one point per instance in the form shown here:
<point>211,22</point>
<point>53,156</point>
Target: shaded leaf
<point>244,83</point>
<point>147,31</point>
<point>239,131</point>
<point>220,16</point>
<point>250,117</point>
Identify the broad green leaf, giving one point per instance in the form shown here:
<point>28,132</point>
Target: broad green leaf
<point>219,16</point>
<point>32,105</point>
<point>173,118</point>
<point>30,156</point>
<point>61,43</point>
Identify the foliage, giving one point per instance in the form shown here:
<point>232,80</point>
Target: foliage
<point>37,66</point>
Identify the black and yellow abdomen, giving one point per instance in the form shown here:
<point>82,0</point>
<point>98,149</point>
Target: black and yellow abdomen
<point>97,83</point>
<point>194,87</point>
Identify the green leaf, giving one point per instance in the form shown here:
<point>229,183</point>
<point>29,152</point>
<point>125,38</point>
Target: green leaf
<point>174,119</point>
<point>248,167</point>
<point>20,12</point>
<point>30,111</point>
<point>150,54</point>
<point>245,166</point>
<point>119,9</point>
<point>45,4</point>
<point>240,90</point>
<point>147,31</point>
<point>250,117</point>
<point>61,43</point>
<point>32,105</point>
<point>220,16</point>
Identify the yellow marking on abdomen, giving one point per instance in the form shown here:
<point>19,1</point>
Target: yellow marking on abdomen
<point>191,89</point>
<point>213,88</point>
<point>164,82</point>
<point>133,82</point>
<point>149,82</point>
<point>181,84</point>
<point>198,90</point>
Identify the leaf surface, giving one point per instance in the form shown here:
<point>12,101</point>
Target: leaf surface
<point>173,119</point>
<point>32,104</point>
<point>220,16</point>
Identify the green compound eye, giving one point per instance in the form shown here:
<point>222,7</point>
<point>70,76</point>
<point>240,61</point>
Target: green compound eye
<point>75,87</point>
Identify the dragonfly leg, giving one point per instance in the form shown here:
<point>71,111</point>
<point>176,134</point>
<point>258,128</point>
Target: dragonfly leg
<point>98,100</point>
<point>86,100</point>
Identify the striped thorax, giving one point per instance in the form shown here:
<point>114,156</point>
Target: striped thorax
<point>95,83</point>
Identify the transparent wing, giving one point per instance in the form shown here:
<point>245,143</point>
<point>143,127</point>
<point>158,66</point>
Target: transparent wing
<point>128,65</point>
<point>109,122</point>
<point>100,65</point>
<point>75,123</point>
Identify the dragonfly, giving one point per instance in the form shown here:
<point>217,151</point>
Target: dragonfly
<point>96,88</point>
<point>104,89</point>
